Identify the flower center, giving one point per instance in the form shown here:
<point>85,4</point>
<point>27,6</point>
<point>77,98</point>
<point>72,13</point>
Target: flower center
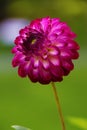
<point>33,41</point>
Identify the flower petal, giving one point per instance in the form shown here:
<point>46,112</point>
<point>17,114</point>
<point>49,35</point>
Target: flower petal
<point>23,69</point>
<point>19,58</point>
<point>44,75</point>
<point>45,23</point>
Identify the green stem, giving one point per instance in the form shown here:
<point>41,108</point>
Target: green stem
<point>58,106</point>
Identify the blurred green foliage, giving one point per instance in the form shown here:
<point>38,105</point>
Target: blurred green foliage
<point>79,122</point>
<point>40,8</point>
<point>16,127</point>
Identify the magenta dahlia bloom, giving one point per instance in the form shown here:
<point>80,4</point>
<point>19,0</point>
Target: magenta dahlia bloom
<point>44,50</point>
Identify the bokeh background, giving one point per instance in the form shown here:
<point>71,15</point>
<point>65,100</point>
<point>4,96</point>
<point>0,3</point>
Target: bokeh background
<point>32,105</point>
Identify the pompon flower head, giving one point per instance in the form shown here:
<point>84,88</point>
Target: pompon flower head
<point>44,50</point>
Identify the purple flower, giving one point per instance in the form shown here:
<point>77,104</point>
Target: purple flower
<point>44,50</point>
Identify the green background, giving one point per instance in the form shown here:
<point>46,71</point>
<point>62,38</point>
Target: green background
<point>32,104</point>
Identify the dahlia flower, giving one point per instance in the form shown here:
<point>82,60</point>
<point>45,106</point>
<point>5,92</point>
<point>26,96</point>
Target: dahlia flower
<point>44,50</point>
